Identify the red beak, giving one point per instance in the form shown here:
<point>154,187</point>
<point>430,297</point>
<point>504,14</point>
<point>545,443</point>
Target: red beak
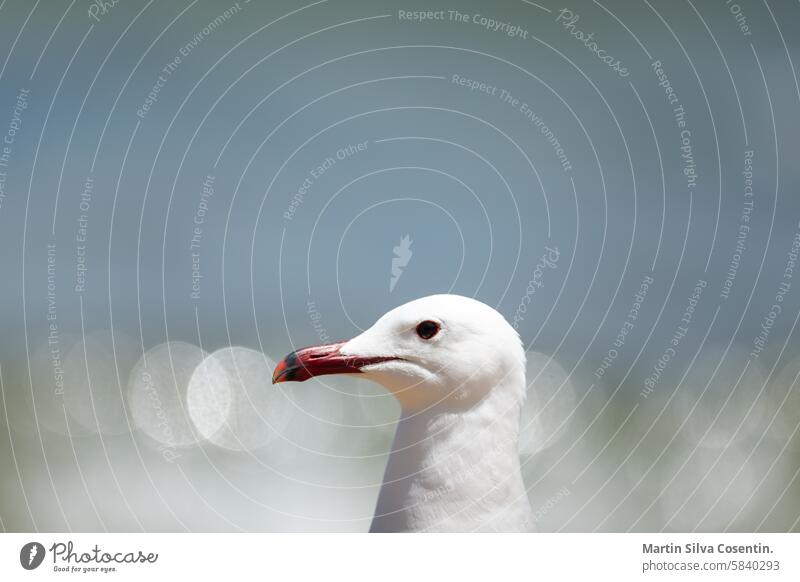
<point>305,363</point>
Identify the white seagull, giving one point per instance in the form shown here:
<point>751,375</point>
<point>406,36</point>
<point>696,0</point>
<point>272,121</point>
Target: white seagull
<point>457,369</point>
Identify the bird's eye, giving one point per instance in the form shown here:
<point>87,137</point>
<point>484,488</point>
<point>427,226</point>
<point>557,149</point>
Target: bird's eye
<point>427,329</point>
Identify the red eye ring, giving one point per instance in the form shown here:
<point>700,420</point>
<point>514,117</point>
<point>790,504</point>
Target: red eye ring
<point>427,329</point>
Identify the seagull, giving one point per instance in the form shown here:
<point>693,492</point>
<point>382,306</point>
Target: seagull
<point>457,368</point>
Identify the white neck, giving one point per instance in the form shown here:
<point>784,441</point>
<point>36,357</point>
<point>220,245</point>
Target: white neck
<point>456,471</point>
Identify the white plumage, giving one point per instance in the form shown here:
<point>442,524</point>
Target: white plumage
<point>454,464</point>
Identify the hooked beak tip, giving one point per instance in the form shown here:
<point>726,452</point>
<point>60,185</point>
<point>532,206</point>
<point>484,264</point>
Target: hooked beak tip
<point>287,369</point>
<point>305,363</point>
<point>279,376</point>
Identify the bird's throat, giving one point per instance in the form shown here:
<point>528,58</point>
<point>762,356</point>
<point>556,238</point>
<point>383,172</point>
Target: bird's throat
<point>455,471</point>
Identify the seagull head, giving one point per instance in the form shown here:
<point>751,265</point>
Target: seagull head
<point>439,350</point>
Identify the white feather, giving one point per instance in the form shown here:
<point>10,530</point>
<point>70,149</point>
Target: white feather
<point>455,461</point>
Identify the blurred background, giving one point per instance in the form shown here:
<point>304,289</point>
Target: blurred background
<point>190,190</point>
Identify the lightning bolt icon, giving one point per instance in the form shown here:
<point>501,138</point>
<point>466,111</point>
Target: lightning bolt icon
<point>402,255</point>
